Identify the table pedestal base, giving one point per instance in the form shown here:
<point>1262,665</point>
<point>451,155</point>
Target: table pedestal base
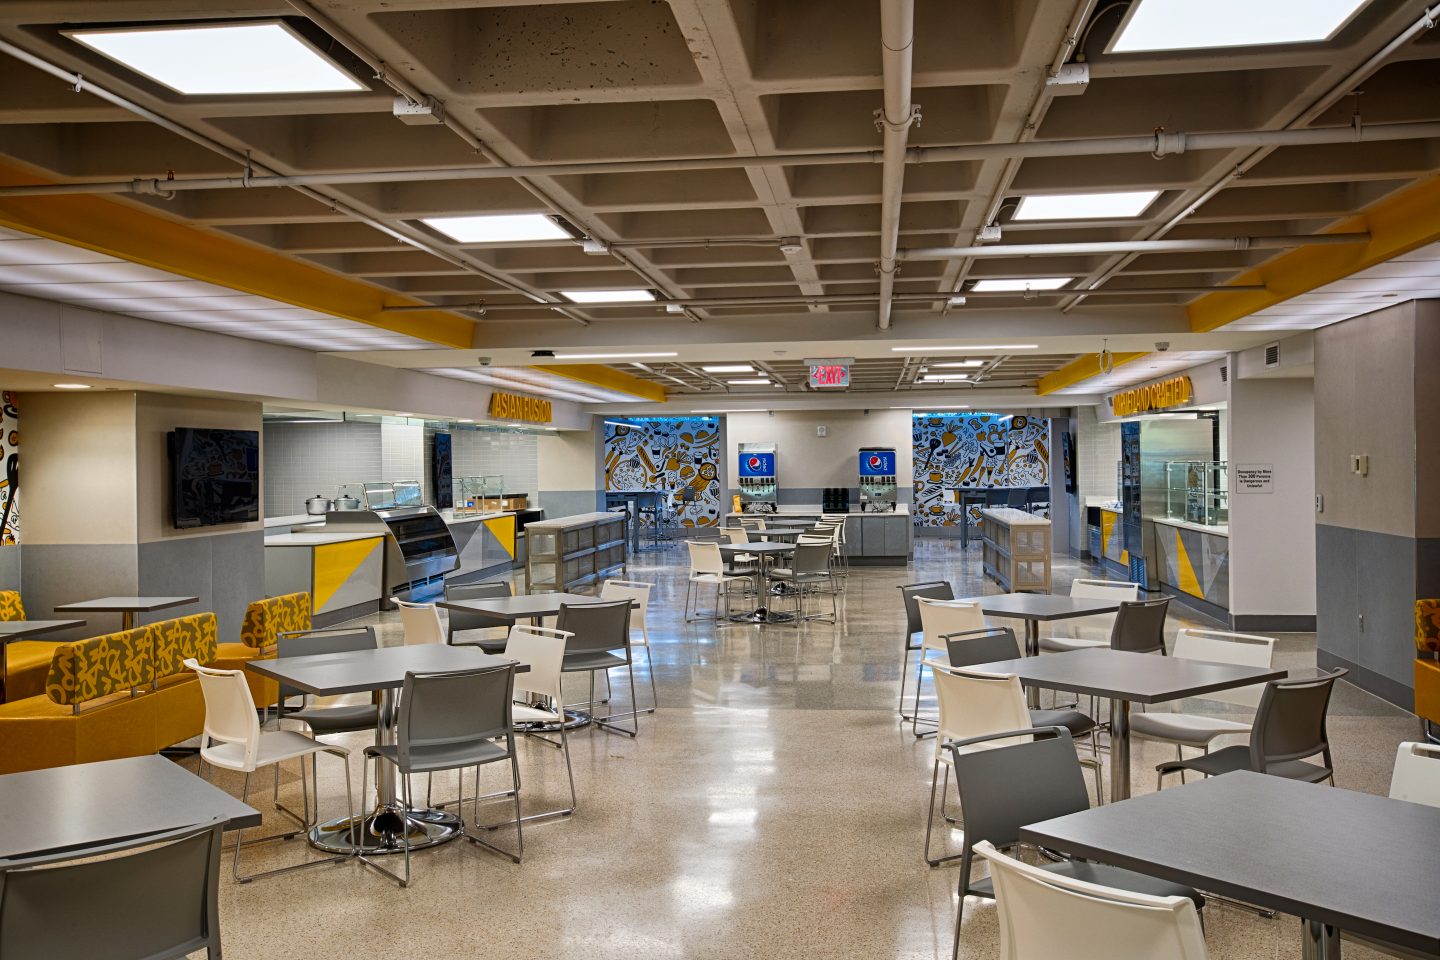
<point>1319,942</point>
<point>380,832</point>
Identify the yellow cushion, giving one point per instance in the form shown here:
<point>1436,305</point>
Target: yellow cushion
<point>95,668</point>
<point>10,606</point>
<point>175,641</point>
<point>234,656</point>
<point>1427,626</point>
<point>1427,690</point>
<point>179,710</point>
<point>27,665</point>
<point>266,619</point>
<point>37,732</point>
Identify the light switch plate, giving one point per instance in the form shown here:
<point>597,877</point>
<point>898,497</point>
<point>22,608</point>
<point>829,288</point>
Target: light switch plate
<point>821,431</point>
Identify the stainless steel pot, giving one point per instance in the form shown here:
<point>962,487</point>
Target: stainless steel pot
<point>347,503</point>
<point>318,506</point>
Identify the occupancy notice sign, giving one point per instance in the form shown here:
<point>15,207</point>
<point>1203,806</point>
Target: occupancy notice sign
<point>1254,478</point>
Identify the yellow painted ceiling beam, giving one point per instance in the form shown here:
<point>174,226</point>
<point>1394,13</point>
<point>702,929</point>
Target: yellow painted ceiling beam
<point>1078,371</point>
<point>120,230</point>
<point>599,375</point>
<point>1401,222</point>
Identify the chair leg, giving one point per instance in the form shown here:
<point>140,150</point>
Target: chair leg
<point>519,819</point>
<point>650,669</point>
<point>304,825</point>
<point>604,723</point>
<point>904,675</point>
<point>930,817</point>
<point>916,719</point>
<point>404,825</point>
<point>963,885</point>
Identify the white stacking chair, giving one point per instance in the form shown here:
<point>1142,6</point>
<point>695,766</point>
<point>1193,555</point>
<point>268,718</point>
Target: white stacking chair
<point>1199,730</point>
<point>971,705</point>
<point>838,521</point>
<point>1045,915</point>
<point>232,740</point>
<point>740,536</point>
<point>639,592</point>
<point>939,619</point>
<point>543,650</point>
<point>1417,774</point>
<point>420,621</point>
<point>707,567</point>
<point>1097,628</point>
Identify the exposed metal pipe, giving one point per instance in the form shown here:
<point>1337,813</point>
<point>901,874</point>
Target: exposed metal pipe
<point>1157,144</point>
<point>804,300</point>
<point>1131,246</point>
<point>1426,21</point>
<point>897,48</point>
<point>158,187</point>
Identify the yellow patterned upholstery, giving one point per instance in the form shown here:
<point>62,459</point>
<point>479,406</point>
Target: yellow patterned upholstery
<point>1427,626</point>
<point>11,608</point>
<point>100,674</point>
<point>98,667</point>
<point>176,641</point>
<point>265,620</point>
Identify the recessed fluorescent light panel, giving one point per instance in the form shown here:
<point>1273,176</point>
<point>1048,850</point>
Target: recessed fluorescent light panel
<point>511,228</point>
<point>988,348</point>
<point>1189,25</point>
<point>728,368</point>
<point>219,59</point>
<point>607,296</point>
<point>1085,206</point>
<point>960,363</point>
<point>609,356</point>
<point>1020,286</point>
<point>945,378</point>
<point>751,382</point>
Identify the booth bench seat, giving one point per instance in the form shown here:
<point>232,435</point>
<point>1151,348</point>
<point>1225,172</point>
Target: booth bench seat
<point>27,661</point>
<point>123,694</point>
<point>265,621</point>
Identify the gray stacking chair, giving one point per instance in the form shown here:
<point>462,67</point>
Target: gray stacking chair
<point>1140,626</point>
<point>600,629</point>
<point>349,718</point>
<point>975,647</point>
<point>1005,788</point>
<point>1289,728</point>
<point>452,721</point>
<point>462,621</point>
<point>809,569</point>
<point>932,590</point>
<point>149,898</point>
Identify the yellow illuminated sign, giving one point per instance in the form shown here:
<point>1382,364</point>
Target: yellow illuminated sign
<point>512,406</point>
<point>1154,396</point>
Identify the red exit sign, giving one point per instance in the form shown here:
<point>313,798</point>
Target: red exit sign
<point>829,374</point>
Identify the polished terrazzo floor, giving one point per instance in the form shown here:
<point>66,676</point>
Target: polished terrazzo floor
<point>772,808</point>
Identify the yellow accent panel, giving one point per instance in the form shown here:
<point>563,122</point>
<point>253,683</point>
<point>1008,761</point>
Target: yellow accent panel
<point>1427,690</point>
<point>599,375</point>
<point>1125,558</point>
<point>1402,222</point>
<point>120,230</point>
<point>1107,527</point>
<point>504,530</point>
<point>1185,570</point>
<point>1078,371</point>
<point>335,562</point>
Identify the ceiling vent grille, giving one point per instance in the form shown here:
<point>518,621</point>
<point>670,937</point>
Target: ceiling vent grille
<point>1225,373</point>
<point>1272,355</point>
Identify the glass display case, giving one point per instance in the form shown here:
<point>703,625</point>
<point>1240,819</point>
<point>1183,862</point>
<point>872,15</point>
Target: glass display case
<point>1198,491</point>
<point>476,495</point>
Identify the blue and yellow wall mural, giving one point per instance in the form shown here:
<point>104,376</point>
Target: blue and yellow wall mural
<point>668,455</point>
<point>975,451</point>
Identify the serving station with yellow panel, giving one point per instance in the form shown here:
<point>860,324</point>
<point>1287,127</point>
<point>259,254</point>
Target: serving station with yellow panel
<point>344,573</point>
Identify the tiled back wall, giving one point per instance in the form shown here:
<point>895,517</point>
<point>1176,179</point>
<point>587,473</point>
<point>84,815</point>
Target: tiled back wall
<point>303,459</point>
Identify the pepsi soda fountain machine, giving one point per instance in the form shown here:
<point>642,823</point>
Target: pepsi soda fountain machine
<point>877,480</point>
<point>759,491</point>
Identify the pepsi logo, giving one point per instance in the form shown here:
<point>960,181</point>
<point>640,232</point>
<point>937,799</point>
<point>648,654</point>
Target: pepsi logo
<point>875,461</point>
<point>754,463</point>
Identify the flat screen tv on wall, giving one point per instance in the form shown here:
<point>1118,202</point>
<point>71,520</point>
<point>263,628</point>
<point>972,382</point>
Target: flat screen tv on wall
<point>214,476</point>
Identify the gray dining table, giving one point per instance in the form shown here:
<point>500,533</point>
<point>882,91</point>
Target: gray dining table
<point>84,805</point>
<point>382,672</point>
<point>1337,859</point>
<point>1124,678</point>
<point>526,606</point>
<point>766,552</point>
<point>1038,608</point>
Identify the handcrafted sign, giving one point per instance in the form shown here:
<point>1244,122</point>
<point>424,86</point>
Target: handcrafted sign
<point>1154,396</point>
<point>1254,478</point>
<point>829,374</point>
<point>512,406</point>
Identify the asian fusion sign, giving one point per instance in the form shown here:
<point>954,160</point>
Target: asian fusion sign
<point>512,406</point>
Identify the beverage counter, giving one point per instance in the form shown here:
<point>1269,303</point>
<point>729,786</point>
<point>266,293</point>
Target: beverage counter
<point>870,538</point>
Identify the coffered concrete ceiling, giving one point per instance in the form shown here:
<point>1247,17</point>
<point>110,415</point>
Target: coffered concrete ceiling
<point>638,124</point>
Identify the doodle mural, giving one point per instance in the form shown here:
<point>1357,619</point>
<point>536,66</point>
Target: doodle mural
<point>669,455</point>
<point>975,451</point>
<point>10,480</point>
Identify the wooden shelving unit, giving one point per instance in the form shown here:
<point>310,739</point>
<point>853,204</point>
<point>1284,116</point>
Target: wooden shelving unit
<point>572,552</point>
<point>1016,549</point>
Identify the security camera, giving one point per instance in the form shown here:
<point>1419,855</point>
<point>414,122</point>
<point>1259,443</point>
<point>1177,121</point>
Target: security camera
<point>483,361</point>
<point>1162,345</point>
